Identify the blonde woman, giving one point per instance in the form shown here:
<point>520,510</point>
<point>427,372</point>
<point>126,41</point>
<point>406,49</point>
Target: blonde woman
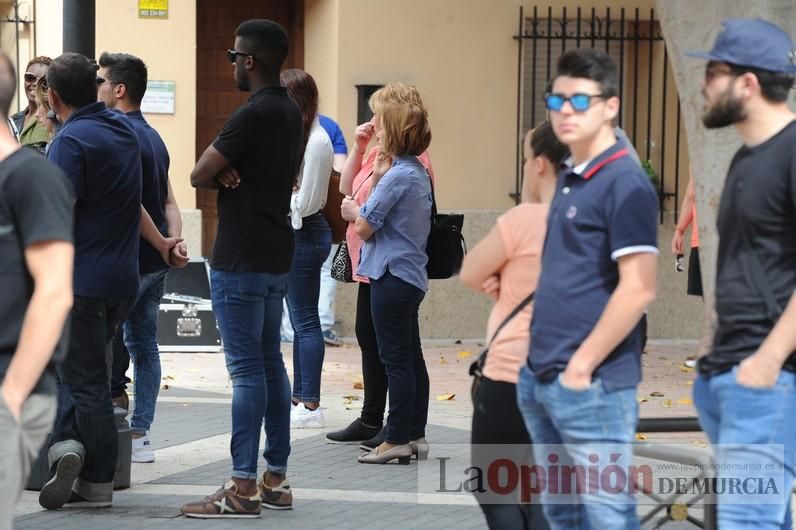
<point>394,223</point>
<point>356,183</point>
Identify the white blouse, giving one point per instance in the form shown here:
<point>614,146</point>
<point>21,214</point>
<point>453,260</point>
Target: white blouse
<point>313,181</point>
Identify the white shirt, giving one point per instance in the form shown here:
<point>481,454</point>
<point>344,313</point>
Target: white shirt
<point>313,181</point>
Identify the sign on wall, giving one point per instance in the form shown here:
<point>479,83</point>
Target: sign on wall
<point>153,8</point>
<point>159,97</point>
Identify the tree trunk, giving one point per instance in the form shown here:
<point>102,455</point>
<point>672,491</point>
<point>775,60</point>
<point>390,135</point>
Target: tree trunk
<point>689,25</point>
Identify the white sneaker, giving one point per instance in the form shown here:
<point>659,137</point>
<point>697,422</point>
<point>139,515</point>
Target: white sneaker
<point>303,418</point>
<point>142,450</point>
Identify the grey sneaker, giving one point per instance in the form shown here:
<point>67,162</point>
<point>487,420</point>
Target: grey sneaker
<point>57,491</point>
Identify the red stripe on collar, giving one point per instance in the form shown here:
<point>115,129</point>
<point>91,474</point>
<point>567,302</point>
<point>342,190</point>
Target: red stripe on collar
<point>602,163</point>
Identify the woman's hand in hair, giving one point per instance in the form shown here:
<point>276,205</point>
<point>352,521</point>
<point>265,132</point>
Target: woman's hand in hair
<point>363,135</point>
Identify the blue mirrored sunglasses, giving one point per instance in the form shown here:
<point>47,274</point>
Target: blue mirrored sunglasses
<point>579,102</point>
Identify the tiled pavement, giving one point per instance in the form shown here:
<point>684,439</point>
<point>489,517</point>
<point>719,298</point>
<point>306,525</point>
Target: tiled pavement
<point>332,490</point>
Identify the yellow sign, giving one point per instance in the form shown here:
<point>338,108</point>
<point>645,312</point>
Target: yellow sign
<point>153,9</point>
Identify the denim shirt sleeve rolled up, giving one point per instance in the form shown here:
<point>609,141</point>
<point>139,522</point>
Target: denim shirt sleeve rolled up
<point>399,212</point>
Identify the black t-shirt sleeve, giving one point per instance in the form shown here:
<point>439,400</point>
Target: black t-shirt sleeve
<point>792,182</point>
<point>238,135</point>
<point>41,202</point>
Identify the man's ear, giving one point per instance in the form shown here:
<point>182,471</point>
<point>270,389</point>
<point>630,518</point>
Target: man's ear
<point>53,98</point>
<point>120,91</point>
<point>540,164</point>
<point>248,62</point>
<point>612,107</point>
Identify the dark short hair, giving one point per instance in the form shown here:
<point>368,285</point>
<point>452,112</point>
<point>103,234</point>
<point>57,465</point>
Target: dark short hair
<point>775,86</point>
<point>545,143</point>
<point>128,70</point>
<point>8,83</point>
<point>74,77</point>
<point>266,41</point>
<point>39,59</point>
<point>588,63</point>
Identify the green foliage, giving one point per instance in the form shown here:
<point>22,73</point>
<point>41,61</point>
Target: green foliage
<point>647,165</point>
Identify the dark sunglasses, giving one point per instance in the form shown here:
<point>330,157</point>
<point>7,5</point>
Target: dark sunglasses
<point>31,78</point>
<point>579,102</point>
<point>232,55</point>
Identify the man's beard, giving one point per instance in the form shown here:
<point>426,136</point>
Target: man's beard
<point>726,111</point>
<point>242,79</point>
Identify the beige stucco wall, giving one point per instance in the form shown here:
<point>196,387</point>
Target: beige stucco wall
<point>463,59</point>
<point>168,47</point>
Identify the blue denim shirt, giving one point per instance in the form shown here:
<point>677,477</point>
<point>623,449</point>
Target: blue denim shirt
<point>399,212</point>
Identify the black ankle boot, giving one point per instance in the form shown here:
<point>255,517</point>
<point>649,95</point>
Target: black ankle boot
<point>354,433</point>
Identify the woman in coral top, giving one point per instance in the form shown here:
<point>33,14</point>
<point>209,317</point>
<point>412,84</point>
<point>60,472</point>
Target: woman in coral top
<point>355,183</point>
<point>505,265</point>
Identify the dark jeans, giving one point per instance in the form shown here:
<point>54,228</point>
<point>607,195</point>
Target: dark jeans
<point>85,412</point>
<point>374,377</point>
<point>137,338</point>
<point>248,308</point>
<point>313,243</point>
<point>394,305</point>
<point>497,420</point>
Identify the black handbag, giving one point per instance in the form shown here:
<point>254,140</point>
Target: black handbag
<point>342,271</point>
<point>477,366</point>
<point>445,246</point>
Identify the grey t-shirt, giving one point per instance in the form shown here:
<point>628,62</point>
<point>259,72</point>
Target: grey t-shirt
<point>35,206</point>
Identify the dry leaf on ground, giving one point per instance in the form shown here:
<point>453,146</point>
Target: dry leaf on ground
<point>445,397</point>
<point>656,394</point>
<point>685,401</point>
<point>641,436</point>
<point>465,354</point>
<point>168,378</point>
<point>667,403</point>
<point>686,369</point>
<point>164,387</point>
<point>641,399</point>
<point>359,385</point>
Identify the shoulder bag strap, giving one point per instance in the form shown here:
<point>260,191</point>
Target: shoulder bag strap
<point>509,317</point>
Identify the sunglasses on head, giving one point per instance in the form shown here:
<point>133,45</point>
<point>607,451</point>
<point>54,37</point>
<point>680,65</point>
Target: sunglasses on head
<point>232,55</point>
<point>579,102</point>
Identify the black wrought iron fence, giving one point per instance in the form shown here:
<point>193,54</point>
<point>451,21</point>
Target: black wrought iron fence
<point>650,110</point>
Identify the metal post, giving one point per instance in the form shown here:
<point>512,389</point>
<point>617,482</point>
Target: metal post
<point>79,30</point>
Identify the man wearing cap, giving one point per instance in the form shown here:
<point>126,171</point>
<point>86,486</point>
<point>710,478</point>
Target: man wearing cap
<point>746,388</point>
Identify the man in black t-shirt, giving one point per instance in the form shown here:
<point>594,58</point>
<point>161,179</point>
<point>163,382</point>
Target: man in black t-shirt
<point>36,255</point>
<point>746,389</point>
<point>254,163</point>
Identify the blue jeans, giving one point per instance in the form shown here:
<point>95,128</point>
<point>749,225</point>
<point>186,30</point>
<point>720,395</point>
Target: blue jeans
<point>137,340</point>
<point>248,307</point>
<point>581,421</point>
<point>394,305</point>
<point>730,414</point>
<point>313,242</point>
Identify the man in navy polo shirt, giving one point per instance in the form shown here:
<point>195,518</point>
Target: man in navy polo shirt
<point>746,389</point>
<point>578,391</point>
<point>99,152</point>
<point>124,80</point>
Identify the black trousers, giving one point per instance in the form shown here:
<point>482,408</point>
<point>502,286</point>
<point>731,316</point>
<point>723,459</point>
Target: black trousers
<point>394,305</point>
<point>373,374</point>
<point>85,412</point>
<point>497,420</point>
